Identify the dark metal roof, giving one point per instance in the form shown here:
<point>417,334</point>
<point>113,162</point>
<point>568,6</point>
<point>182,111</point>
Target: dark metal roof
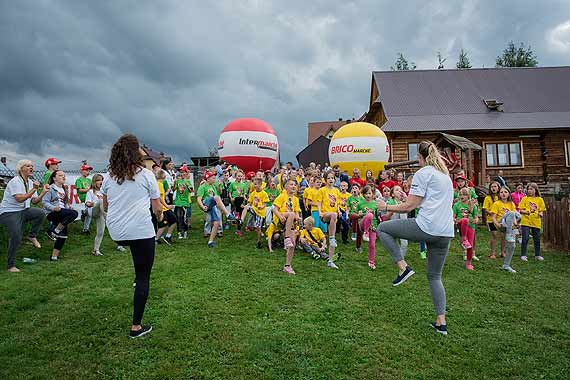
<point>439,100</point>
<point>317,152</point>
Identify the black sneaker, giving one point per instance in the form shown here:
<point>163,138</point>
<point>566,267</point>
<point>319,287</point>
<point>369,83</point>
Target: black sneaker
<point>259,245</point>
<point>409,272</point>
<point>165,240</point>
<point>168,239</point>
<point>85,232</point>
<point>145,329</point>
<point>441,329</point>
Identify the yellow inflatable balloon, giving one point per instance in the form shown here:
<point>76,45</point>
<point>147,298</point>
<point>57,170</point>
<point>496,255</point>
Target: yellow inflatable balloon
<point>359,145</point>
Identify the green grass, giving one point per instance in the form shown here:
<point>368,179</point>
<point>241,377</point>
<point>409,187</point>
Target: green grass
<point>232,314</point>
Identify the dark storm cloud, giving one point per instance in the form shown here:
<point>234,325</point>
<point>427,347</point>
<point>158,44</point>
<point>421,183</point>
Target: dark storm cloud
<point>74,75</point>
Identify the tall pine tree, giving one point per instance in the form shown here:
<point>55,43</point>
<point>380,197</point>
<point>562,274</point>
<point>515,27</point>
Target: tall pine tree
<point>463,61</point>
<point>402,64</point>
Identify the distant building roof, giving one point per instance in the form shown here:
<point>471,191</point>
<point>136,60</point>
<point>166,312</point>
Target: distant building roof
<point>322,128</point>
<point>447,100</point>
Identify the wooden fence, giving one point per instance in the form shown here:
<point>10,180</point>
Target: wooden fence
<point>556,223</point>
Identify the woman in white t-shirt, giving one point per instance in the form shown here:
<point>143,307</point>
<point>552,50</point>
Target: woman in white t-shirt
<point>432,193</point>
<point>127,194</point>
<point>15,210</point>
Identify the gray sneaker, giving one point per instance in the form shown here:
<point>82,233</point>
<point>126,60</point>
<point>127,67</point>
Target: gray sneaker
<point>331,265</point>
<point>508,269</point>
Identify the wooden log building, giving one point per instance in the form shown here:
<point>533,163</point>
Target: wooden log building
<point>519,117</point>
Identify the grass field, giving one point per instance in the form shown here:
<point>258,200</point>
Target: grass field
<point>230,313</point>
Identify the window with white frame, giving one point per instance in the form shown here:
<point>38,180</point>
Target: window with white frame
<point>504,154</point>
<point>567,150</point>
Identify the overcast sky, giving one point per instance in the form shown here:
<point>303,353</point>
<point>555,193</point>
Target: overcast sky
<point>75,75</point>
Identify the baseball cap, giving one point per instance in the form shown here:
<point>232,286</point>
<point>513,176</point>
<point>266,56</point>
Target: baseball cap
<point>250,175</point>
<point>208,175</point>
<point>184,168</point>
<point>51,161</point>
<point>460,176</point>
<point>86,167</point>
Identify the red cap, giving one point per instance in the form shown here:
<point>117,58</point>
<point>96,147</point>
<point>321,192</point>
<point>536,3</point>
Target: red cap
<point>51,161</point>
<point>208,175</point>
<point>85,167</point>
<point>460,176</point>
<point>250,175</point>
<point>184,168</point>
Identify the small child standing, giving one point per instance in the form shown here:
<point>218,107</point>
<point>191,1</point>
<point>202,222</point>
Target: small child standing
<point>313,197</point>
<point>466,214</point>
<point>343,220</point>
<point>532,209</point>
<point>313,240</point>
<point>257,203</point>
<point>272,193</point>
<point>353,201</point>
<point>94,204</point>
<point>505,218</point>
<point>367,212</point>
<point>183,202</point>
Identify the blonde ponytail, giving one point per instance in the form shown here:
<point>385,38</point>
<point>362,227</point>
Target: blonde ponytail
<point>432,157</point>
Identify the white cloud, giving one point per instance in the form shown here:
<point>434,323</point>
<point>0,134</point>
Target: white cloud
<point>559,38</point>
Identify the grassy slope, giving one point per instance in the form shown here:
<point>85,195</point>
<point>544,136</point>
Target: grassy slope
<point>231,313</point>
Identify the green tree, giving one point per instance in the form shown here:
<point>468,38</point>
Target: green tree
<point>402,64</point>
<point>463,62</point>
<point>517,57</point>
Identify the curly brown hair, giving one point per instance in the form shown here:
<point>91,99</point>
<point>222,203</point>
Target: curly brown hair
<point>126,159</point>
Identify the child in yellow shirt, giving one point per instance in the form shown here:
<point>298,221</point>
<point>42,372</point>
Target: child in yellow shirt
<point>313,240</point>
<point>288,211</point>
<point>532,209</point>
<point>505,218</point>
<point>257,203</point>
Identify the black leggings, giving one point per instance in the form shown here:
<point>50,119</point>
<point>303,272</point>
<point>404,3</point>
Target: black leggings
<point>238,208</point>
<point>142,251</point>
<point>64,216</point>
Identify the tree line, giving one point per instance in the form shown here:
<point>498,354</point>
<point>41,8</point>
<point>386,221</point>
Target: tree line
<point>512,56</point>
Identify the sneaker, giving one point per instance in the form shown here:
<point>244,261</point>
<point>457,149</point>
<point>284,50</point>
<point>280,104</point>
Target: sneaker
<point>238,233</point>
<point>401,278</point>
<point>185,235</point>
<point>359,250</point>
<point>13,270</point>
<point>441,329</point>
<point>315,255</point>
<point>54,258</point>
<point>372,266</point>
<point>475,258</point>
<point>211,244</point>
<point>142,332</point>
<point>85,232</point>
<point>465,244</point>
<point>331,264</point>
<point>50,235</point>
<point>96,253</point>
<point>524,258</point>
<point>60,235</point>
<point>365,236</point>
<point>157,242</point>
<point>492,256</point>
<point>231,217</point>
<point>510,238</point>
<point>180,235</point>
<point>423,255</point>
<point>288,269</point>
<point>353,237</point>
<point>469,267</point>
<point>120,248</point>
<point>226,226</point>
<point>166,240</point>
<point>332,242</point>
<point>508,269</point>
<point>539,258</point>
<point>259,245</point>
<point>464,257</point>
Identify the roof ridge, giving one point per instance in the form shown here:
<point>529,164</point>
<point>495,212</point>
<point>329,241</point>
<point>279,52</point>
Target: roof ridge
<point>472,69</point>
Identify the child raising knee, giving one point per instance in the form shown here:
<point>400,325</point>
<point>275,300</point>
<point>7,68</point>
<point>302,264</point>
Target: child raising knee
<point>288,211</point>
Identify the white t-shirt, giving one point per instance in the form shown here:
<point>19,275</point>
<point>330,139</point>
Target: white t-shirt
<point>436,214</point>
<point>15,186</point>
<point>128,215</point>
<point>61,195</point>
<point>94,196</point>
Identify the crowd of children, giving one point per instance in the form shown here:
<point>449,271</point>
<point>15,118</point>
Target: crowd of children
<point>302,210</point>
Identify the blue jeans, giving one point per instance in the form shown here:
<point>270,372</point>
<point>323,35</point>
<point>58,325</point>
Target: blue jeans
<point>210,203</point>
<point>526,232</point>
